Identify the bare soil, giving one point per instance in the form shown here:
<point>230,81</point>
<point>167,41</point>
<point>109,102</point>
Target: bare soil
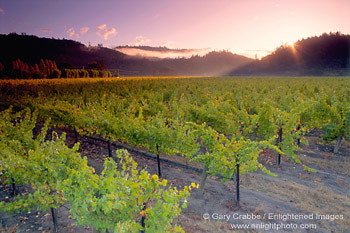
<point>294,193</point>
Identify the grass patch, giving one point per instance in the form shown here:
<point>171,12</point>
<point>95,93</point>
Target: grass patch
<point>320,200</point>
<point>341,167</point>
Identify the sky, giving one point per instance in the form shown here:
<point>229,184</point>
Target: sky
<point>247,27</point>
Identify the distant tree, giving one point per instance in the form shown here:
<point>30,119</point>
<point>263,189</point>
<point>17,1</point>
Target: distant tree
<point>94,73</point>
<point>83,74</point>
<point>54,65</point>
<point>97,65</point>
<point>20,69</point>
<point>56,73</point>
<point>43,68</point>
<point>49,66</point>
<point>37,72</point>
<point>116,74</point>
<point>105,74</point>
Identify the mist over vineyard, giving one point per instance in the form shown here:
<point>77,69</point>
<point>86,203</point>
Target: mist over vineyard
<point>324,55</point>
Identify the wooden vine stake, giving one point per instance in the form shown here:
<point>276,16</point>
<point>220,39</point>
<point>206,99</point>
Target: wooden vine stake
<point>143,218</point>
<point>75,135</point>
<point>158,161</point>
<point>109,148</point>
<point>298,140</point>
<point>237,183</point>
<point>338,142</point>
<point>203,179</point>
<point>279,139</point>
<point>54,219</point>
<point>14,190</point>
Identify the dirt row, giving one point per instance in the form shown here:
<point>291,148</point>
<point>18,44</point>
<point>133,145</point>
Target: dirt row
<point>294,193</point>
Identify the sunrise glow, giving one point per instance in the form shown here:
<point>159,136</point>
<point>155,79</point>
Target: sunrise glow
<point>251,28</point>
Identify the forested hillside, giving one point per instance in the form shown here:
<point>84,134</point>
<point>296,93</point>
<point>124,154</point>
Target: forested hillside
<point>74,55</point>
<point>326,55</point>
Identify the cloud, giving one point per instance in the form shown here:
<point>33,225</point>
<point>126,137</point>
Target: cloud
<point>108,33</point>
<point>84,30</point>
<point>46,30</point>
<point>277,5</point>
<point>104,32</point>
<point>140,40</point>
<point>100,28</point>
<point>2,11</point>
<point>71,32</point>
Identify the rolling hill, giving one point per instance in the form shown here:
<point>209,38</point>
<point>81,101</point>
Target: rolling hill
<point>72,54</point>
<point>325,55</point>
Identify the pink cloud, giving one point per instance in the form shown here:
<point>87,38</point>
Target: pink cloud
<point>71,32</point>
<point>108,33</point>
<point>84,30</point>
<point>104,32</point>
<point>46,30</point>
<point>2,11</point>
<point>140,40</point>
<point>100,28</point>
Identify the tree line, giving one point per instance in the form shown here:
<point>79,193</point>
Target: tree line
<point>325,55</point>
<point>19,69</point>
